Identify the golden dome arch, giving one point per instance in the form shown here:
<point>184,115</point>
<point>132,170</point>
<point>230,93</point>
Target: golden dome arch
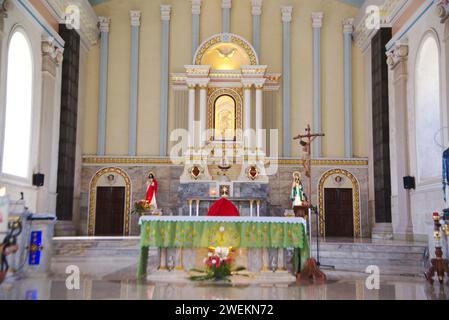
<point>225,51</point>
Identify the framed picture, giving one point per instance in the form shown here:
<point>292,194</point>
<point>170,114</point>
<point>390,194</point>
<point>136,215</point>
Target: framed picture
<point>225,189</point>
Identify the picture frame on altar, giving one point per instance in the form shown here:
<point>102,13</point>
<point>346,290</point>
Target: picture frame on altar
<point>225,189</point>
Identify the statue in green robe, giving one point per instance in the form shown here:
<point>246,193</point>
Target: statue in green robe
<point>297,195</point>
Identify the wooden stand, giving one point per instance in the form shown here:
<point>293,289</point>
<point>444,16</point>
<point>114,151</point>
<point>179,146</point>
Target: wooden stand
<point>311,269</point>
<point>439,265</point>
<point>311,272</point>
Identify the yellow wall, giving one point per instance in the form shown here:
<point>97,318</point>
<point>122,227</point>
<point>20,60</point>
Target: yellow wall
<point>180,54</point>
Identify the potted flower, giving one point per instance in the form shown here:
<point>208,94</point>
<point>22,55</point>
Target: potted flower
<point>141,206</point>
<point>218,265</point>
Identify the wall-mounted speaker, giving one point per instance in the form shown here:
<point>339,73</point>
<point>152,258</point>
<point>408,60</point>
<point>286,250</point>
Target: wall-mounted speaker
<point>38,179</point>
<point>409,182</point>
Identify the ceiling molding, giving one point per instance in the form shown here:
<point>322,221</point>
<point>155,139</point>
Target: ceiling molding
<point>88,30</point>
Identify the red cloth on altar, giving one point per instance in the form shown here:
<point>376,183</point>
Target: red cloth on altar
<point>223,207</point>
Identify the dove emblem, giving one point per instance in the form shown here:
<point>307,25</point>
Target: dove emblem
<point>226,53</point>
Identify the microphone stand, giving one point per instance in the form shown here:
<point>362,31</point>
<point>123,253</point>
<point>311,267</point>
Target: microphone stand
<point>318,220</point>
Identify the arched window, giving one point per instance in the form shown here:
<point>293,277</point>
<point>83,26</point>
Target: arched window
<point>427,112</point>
<point>19,90</point>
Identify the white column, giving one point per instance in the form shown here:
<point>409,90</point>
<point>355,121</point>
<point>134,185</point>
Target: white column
<point>259,112</point>
<point>191,117</point>
<point>50,121</point>
<point>247,113</point>
<point>397,61</point>
<point>203,114</point>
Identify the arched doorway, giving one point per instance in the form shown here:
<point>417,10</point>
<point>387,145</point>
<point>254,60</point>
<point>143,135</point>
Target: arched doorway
<point>339,204</point>
<point>109,203</point>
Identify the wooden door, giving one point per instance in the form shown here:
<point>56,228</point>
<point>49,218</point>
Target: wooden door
<point>338,212</point>
<point>110,207</point>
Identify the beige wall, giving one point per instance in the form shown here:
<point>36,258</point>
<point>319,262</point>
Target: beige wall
<point>180,54</point>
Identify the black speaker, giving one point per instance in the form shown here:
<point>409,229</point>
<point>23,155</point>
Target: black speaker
<point>38,179</point>
<point>409,182</point>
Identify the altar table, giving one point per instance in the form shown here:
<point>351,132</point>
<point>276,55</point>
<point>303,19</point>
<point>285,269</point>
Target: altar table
<point>205,231</point>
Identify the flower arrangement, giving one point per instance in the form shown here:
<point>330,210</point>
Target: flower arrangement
<point>141,206</point>
<point>218,265</point>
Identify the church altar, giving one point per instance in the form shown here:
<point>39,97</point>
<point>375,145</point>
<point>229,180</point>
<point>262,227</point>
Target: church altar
<point>238,232</point>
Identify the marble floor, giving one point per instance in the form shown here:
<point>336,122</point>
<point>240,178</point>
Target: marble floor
<point>110,287</point>
<point>106,274</point>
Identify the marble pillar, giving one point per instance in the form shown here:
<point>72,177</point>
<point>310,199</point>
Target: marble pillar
<point>134,76</point>
<point>191,116</point>
<point>286,87</point>
<point>165,17</point>
<point>103,87</point>
<point>247,112</point>
<point>397,61</point>
<point>256,11</point>
<point>196,11</point>
<point>226,15</point>
<point>347,35</point>
<point>259,113</point>
<point>203,114</point>
<point>317,21</point>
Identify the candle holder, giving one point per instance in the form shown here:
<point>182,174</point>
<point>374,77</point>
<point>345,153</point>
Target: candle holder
<point>170,263</point>
<point>439,265</point>
<point>274,265</point>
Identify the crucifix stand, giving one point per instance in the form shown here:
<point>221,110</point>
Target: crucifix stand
<point>311,268</point>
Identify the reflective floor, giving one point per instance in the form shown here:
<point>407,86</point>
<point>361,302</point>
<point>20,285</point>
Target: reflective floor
<point>98,289</point>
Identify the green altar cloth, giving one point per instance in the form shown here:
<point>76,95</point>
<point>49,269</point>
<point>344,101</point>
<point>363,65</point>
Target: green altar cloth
<point>237,232</point>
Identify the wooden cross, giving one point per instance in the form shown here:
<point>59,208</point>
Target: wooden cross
<point>307,164</point>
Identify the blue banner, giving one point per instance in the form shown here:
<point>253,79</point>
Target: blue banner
<point>35,248</point>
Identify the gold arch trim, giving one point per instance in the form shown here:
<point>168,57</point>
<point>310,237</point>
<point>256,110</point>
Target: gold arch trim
<point>221,38</point>
<point>95,160</point>
<point>93,199</point>
<point>236,94</point>
<point>355,200</point>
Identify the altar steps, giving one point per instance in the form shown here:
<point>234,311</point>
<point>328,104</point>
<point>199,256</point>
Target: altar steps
<point>392,258</point>
<point>99,256</point>
<point>117,257</point>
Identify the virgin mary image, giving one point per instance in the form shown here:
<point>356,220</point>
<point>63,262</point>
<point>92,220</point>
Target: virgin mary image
<point>152,190</point>
<point>297,195</point>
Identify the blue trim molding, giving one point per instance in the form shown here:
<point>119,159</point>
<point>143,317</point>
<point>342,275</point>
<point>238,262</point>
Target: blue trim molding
<point>165,17</point>
<point>134,76</point>
<point>103,92</point>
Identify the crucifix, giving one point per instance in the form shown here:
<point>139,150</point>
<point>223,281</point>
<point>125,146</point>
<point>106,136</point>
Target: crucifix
<point>306,141</point>
<point>311,268</point>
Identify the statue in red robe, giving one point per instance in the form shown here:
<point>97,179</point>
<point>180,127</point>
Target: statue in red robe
<point>152,190</point>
